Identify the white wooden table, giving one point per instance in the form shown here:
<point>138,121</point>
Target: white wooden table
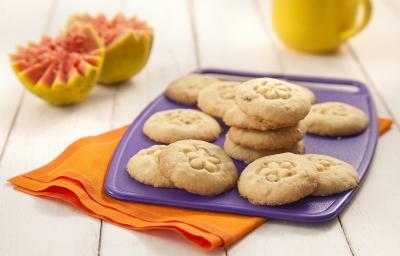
<point>231,34</point>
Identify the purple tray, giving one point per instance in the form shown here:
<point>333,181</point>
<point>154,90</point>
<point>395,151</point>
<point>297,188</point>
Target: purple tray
<point>357,150</point>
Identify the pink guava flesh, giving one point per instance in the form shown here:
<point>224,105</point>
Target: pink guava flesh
<point>60,58</point>
<point>111,30</point>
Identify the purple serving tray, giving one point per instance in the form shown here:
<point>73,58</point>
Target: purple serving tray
<point>357,150</point>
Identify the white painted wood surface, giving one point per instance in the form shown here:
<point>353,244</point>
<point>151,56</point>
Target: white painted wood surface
<point>232,34</point>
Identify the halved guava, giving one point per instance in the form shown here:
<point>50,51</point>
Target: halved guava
<point>128,44</point>
<point>63,70</point>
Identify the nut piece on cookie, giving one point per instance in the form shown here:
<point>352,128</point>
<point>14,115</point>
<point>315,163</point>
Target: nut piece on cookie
<point>273,100</point>
<point>248,155</point>
<point>270,139</point>
<point>336,119</point>
<point>215,100</point>
<point>198,167</point>
<point>179,124</point>
<point>144,167</point>
<point>185,90</point>
<point>278,179</point>
<point>335,175</point>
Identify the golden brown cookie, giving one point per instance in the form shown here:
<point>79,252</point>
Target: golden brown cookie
<point>269,139</point>
<point>185,90</point>
<point>310,95</point>
<point>179,124</point>
<point>335,175</point>
<point>248,155</point>
<point>235,117</point>
<point>273,100</point>
<point>215,100</point>
<point>336,119</point>
<point>144,167</point>
<point>198,167</point>
<point>278,179</point>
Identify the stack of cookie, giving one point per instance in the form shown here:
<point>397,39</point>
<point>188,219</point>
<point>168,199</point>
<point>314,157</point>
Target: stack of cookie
<point>266,120</point>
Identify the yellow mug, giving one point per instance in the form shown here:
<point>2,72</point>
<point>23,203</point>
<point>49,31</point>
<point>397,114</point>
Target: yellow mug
<point>318,26</point>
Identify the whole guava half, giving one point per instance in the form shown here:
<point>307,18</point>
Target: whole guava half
<point>128,44</point>
<point>63,70</point>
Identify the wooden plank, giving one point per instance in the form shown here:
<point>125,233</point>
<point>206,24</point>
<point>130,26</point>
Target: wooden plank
<point>172,56</point>
<point>368,220</point>
<point>371,221</point>
<point>14,28</point>
<point>376,50</point>
<point>257,51</point>
<point>10,93</point>
<point>393,5</point>
<point>288,238</point>
<point>41,131</point>
<point>231,35</point>
<point>119,241</point>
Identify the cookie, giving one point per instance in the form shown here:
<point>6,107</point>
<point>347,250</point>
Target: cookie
<point>309,94</point>
<point>336,119</point>
<point>248,155</point>
<point>144,167</point>
<point>273,100</point>
<point>215,100</point>
<point>278,179</point>
<point>185,90</point>
<point>198,167</point>
<point>335,175</point>
<point>270,139</point>
<point>235,117</point>
<point>179,124</point>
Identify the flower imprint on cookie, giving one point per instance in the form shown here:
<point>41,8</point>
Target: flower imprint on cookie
<point>276,171</point>
<point>180,117</point>
<point>199,158</point>
<point>322,164</point>
<point>333,110</point>
<point>272,91</point>
<point>155,152</point>
<point>227,91</point>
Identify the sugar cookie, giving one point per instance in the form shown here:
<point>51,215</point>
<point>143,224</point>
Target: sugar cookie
<point>198,167</point>
<point>248,155</point>
<point>309,94</point>
<point>335,175</point>
<point>215,100</point>
<point>278,179</point>
<point>273,100</point>
<point>270,139</point>
<point>185,90</point>
<point>336,119</point>
<point>235,117</point>
<point>144,167</point>
<point>179,124</point>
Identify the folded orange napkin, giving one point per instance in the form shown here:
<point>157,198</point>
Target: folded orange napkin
<point>77,176</point>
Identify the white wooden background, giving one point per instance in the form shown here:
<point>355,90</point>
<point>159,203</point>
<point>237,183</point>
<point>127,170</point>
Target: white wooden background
<point>232,34</point>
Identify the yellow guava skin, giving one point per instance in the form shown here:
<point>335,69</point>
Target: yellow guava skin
<point>75,90</point>
<point>59,93</point>
<point>126,57</point>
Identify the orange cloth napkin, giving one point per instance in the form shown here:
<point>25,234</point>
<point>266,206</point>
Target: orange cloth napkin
<point>77,176</point>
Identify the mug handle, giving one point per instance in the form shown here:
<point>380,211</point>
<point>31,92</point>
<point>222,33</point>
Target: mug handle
<point>366,7</point>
